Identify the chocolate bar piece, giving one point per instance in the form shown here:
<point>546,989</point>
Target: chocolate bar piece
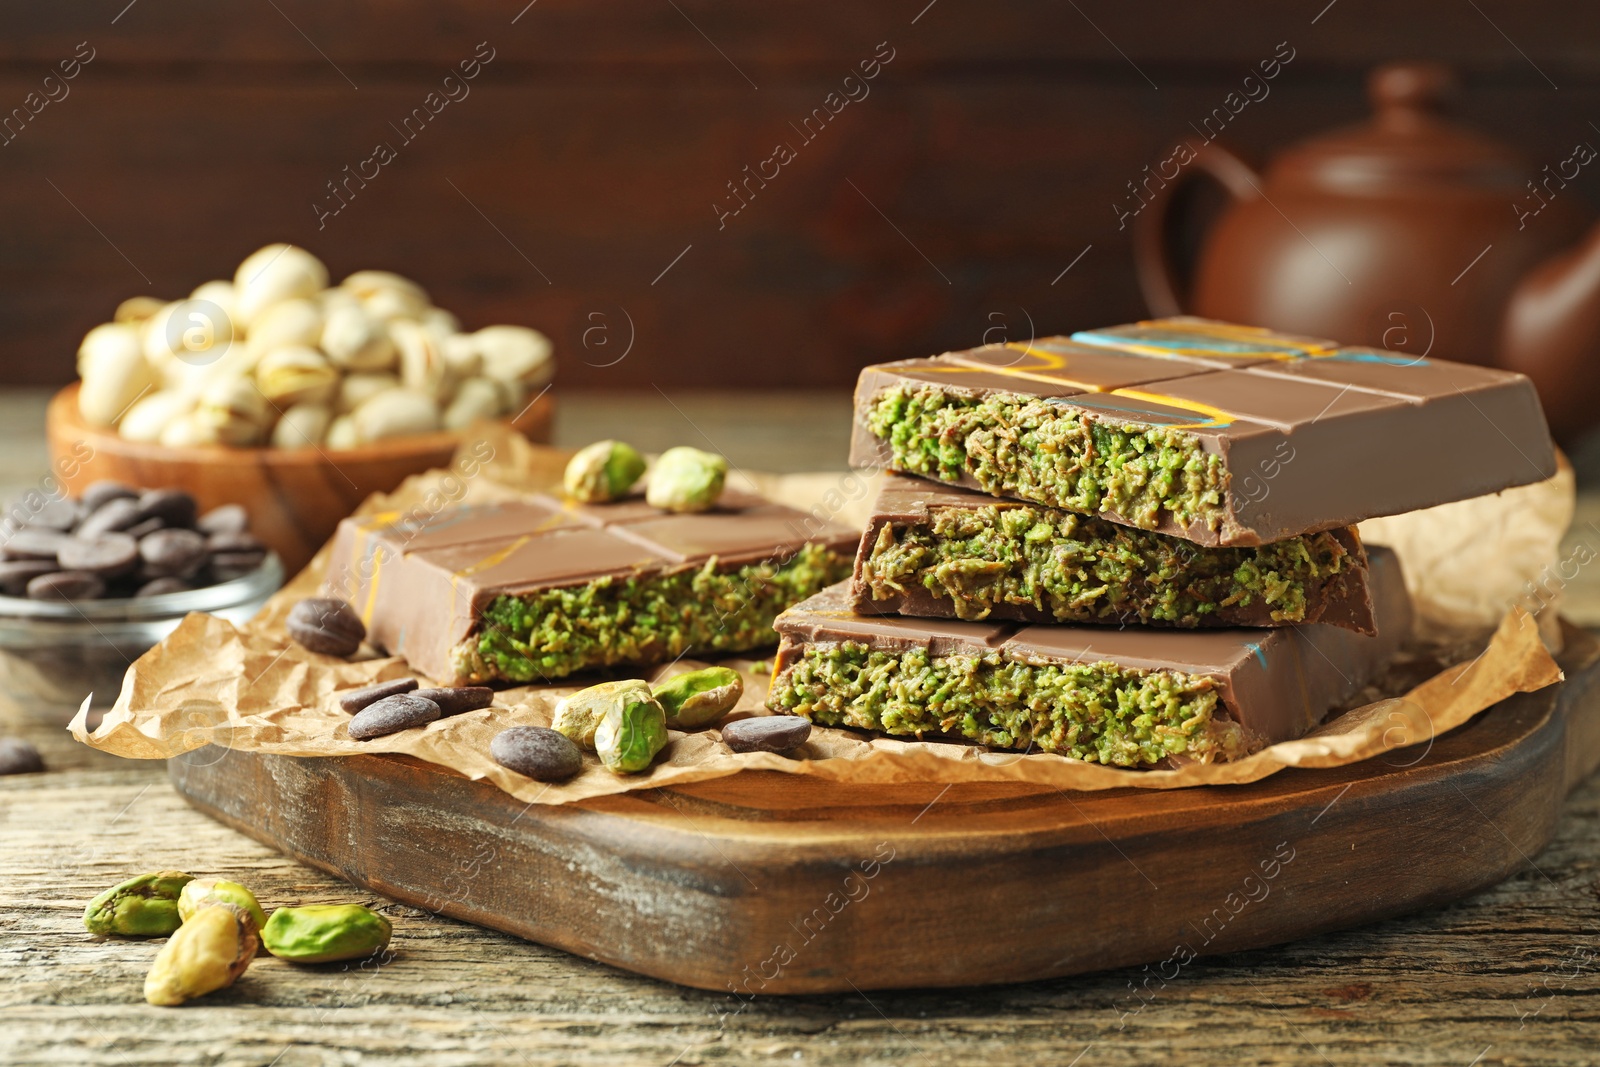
<point>938,551</point>
<point>537,588</point>
<point>1131,698</point>
<point>1220,434</point>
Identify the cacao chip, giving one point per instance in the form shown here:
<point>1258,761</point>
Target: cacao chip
<point>537,752</point>
<point>391,715</point>
<point>329,626</point>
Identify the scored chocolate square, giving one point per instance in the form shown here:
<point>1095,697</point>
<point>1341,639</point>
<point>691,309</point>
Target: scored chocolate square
<point>1216,433</point>
<point>538,588</point>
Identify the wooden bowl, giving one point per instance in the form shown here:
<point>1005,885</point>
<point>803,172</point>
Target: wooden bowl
<point>295,496</point>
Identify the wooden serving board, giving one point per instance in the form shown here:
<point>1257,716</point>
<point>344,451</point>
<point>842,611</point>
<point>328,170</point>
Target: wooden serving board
<point>773,883</point>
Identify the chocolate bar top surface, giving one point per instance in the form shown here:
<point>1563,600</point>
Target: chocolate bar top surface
<point>1277,683</point>
<point>1366,432</point>
<point>418,580</point>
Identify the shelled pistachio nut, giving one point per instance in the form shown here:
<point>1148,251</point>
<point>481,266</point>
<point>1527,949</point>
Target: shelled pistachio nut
<point>186,332</point>
<point>396,413</point>
<point>149,417</point>
<point>422,363</point>
<point>122,338</point>
<point>388,295</point>
<point>223,295</point>
<point>578,715</point>
<point>342,433</point>
<point>189,431</point>
<point>114,372</point>
<point>274,274</point>
<point>302,426</point>
<point>146,906</point>
<point>514,353</point>
<point>207,953</point>
<point>291,322</point>
<point>630,735</point>
<point>461,352</point>
<point>686,479</point>
<point>296,374</point>
<point>138,308</point>
<point>354,340</point>
<point>357,389</point>
<point>233,409</point>
<point>202,892</point>
<point>699,698</point>
<point>603,471</point>
<point>476,398</point>
<point>322,933</point>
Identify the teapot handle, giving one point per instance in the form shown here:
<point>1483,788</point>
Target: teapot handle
<point>1158,275</point>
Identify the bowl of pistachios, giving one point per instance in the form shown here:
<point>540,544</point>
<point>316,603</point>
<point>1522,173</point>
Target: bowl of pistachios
<point>290,396</point>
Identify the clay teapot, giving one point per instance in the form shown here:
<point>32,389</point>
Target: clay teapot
<point>1407,232</point>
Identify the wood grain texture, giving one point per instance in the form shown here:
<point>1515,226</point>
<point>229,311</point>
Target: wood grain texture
<point>1500,976</point>
<point>939,211</point>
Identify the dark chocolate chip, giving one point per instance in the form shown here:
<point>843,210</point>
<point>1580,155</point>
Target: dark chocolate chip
<point>173,506</point>
<point>455,700</point>
<point>391,715</point>
<point>328,625</point>
<point>35,543</point>
<point>145,527</point>
<point>66,585</point>
<point>15,574</point>
<point>158,586</point>
<point>357,699</point>
<point>101,493</point>
<point>118,513</point>
<point>108,555</point>
<point>537,752</point>
<point>241,541</point>
<point>172,553</point>
<point>56,514</point>
<point>225,519</point>
<point>19,757</point>
<point>766,733</point>
<point>226,566</point>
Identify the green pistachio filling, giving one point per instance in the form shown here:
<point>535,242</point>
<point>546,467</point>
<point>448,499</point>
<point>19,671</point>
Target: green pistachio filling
<point>642,619</point>
<point>1098,712</point>
<point>1084,569</point>
<point>1052,454</point>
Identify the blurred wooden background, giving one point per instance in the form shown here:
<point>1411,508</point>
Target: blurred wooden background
<point>573,188</point>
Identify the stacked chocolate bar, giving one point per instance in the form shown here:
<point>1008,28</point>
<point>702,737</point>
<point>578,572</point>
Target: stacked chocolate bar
<point>1135,545</point>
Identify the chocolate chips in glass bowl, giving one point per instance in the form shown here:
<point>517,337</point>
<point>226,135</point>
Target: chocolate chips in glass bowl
<point>117,541</point>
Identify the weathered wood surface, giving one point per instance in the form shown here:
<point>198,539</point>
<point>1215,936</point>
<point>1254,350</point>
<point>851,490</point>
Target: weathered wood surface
<point>766,884</point>
<point>1509,976</point>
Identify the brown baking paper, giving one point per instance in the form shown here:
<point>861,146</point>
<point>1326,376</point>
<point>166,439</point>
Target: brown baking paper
<point>250,688</point>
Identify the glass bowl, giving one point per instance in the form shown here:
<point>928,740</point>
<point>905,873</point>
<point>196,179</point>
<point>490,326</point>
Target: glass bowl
<point>53,653</point>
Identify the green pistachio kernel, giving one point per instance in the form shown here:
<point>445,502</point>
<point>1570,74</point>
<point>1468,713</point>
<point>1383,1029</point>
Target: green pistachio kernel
<point>701,697</point>
<point>603,471</point>
<point>630,735</point>
<point>321,933</point>
<point>579,715</point>
<point>686,479</point>
<point>203,891</point>
<point>146,906</point>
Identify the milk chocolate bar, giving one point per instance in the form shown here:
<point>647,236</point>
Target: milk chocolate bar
<point>938,551</point>
<point>538,588</point>
<point>1138,697</point>
<point>1220,434</point>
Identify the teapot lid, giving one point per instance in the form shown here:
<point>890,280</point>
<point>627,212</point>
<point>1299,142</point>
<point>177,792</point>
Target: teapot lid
<point>1406,143</point>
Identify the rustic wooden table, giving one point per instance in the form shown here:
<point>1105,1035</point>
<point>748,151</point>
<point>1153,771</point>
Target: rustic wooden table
<point>1510,976</point>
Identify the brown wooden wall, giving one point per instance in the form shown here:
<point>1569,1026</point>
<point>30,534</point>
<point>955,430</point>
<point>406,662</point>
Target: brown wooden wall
<point>591,149</point>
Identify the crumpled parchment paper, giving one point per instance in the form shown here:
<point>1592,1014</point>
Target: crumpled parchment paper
<point>250,688</point>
